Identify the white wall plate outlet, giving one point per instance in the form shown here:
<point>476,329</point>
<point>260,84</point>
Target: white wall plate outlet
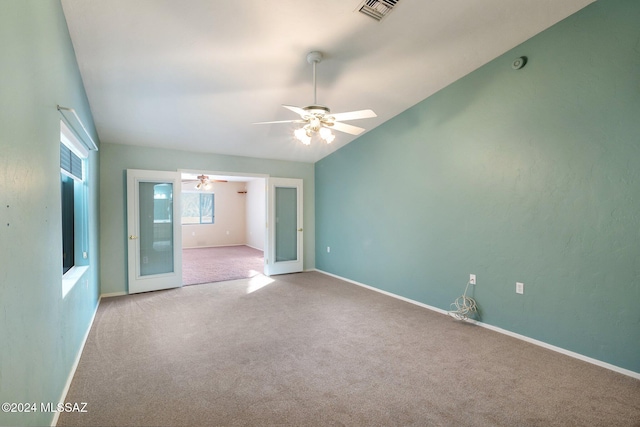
<point>472,279</point>
<point>519,288</point>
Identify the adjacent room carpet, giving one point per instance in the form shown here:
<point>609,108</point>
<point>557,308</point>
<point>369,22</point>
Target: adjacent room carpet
<point>207,265</point>
<point>310,350</point>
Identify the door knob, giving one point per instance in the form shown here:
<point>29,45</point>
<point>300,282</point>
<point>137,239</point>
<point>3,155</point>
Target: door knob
<point>132,237</point>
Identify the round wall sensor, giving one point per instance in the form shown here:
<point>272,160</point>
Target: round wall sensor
<point>519,62</point>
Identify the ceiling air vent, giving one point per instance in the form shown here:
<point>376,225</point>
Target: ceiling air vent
<point>377,9</point>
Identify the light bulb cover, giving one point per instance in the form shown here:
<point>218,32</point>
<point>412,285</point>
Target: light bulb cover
<point>327,135</point>
<point>303,136</point>
<point>300,133</point>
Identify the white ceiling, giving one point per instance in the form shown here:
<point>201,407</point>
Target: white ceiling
<point>194,75</point>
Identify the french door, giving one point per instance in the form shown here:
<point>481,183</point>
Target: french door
<point>154,233</point>
<point>284,252</point>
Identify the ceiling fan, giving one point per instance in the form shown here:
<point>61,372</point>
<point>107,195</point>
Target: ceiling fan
<point>318,118</point>
<point>203,182</point>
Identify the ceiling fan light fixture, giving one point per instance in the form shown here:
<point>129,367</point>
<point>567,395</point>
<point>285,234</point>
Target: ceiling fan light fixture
<point>303,136</point>
<point>204,183</point>
<point>314,124</point>
<point>327,135</point>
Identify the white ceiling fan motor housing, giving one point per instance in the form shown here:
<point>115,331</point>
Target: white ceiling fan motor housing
<point>314,57</point>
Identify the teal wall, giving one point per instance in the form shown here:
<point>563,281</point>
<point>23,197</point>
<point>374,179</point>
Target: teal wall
<point>529,176</point>
<point>40,332</point>
<point>115,159</point>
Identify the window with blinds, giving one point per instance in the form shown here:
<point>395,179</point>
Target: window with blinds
<point>70,162</point>
<point>73,188</point>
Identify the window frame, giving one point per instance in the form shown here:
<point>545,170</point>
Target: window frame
<point>213,207</point>
<point>80,210</point>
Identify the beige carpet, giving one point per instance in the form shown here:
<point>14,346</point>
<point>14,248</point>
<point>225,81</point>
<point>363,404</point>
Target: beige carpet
<point>217,264</point>
<point>311,350</point>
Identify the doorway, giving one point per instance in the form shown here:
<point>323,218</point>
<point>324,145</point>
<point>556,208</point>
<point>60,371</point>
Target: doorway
<point>156,232</point>
<point>223,226</point>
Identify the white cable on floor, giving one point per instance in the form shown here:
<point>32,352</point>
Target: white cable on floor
<point>464,306</point>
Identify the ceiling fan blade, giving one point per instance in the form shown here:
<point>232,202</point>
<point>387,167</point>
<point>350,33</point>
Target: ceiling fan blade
<point>280,121</point>
<point>300,111</point>
<point>353,115</point>
<point>343,127</point>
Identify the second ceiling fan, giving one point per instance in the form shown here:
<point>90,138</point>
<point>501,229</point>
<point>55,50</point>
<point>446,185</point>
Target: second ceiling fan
<point>318,118</point>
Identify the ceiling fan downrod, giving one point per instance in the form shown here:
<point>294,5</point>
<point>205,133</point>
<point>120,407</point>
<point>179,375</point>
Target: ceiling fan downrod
<point>313,58</point>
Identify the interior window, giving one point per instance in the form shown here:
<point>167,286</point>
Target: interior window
<point>198,208</point>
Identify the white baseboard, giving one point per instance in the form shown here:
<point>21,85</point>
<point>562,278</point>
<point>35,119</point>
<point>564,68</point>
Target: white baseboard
<point>561,350</point>
<point>113,294</point>
<point>67,385</point>
<point>214,246</point>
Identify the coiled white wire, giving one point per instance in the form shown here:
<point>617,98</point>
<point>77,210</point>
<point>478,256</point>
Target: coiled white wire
<point>463,306</point>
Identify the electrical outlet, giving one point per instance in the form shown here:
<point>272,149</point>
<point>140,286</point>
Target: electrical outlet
<point>328,249</point>
<point>472,279</point>
<point>519,288</point>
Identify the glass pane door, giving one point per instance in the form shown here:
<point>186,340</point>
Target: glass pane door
<point>284,250</point>
<point>286,224</point>
<point>156,227</point>
<point>154,250</point>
